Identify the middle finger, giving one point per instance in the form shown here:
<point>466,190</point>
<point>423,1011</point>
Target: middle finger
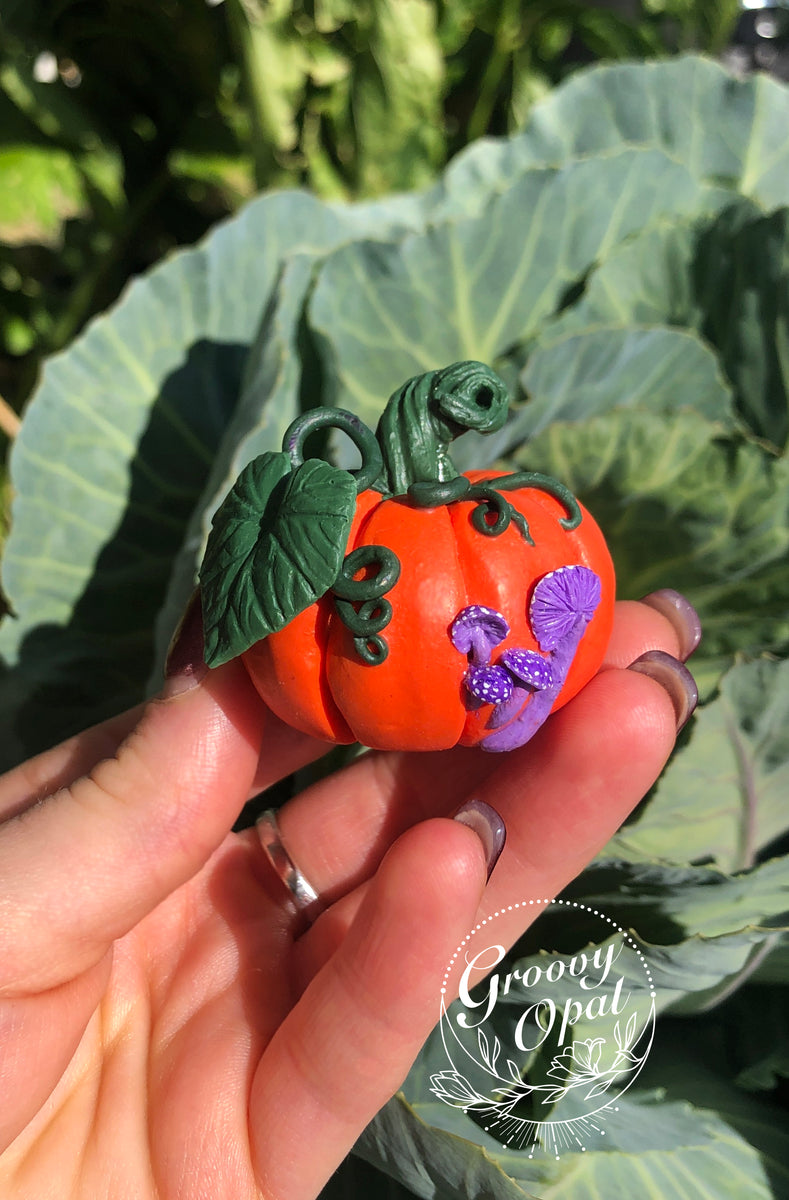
<point>338,830</point>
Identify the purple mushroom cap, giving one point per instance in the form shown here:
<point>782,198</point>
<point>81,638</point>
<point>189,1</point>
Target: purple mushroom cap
<point>476,630</point>
<point>490,685</point>
<point>561,600</point>
<point>529,667</point>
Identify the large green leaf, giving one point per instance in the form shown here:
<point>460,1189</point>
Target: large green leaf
<point>687,975</point>
<point>654,277</point>
<point>760,1049</point>
<point>729,279</point>
<point>726,791</point>
<point>699,1060</point>
<point>725,131</point>
<point>651,1147</point>
<point>666,902</point>
<point>578,376</point>
<point>472,288</point>
<point>267,404</point>
<point>116,451</point>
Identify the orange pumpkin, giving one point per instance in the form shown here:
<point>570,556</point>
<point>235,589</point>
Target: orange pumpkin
<point>311,674</point>
<point>481,602</point>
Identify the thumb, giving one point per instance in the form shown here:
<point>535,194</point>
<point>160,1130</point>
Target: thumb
<point>81,868</point>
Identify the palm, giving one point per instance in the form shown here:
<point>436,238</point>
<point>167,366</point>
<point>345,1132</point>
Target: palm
<point>216,959</point>
<point>174,1031</point>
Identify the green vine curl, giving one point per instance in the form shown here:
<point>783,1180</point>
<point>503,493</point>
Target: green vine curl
<point>374,612</point>
<point>490,500</point>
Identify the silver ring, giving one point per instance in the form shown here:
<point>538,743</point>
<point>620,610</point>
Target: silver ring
<point>302,892</point>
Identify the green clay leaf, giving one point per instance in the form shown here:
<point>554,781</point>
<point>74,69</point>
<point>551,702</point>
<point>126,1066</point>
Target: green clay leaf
<point>276,546</point>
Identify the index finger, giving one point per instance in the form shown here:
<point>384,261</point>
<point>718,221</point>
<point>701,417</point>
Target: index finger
<point>339,829</point>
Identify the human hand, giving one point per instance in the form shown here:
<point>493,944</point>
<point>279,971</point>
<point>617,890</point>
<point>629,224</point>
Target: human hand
<point>168,1026</point>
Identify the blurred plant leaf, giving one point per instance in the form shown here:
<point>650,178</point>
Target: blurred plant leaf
<point>42,188</point>
<point>718,510</point>
<point>472,288</point>
<point>728,278</point>
<point>723,798</point>
<point>396,97</point>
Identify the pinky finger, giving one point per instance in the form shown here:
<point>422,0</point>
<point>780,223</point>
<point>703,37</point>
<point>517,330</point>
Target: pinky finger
<point>350,1040</point>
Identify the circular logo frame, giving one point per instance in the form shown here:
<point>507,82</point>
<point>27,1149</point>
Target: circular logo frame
<point>486,1079</point>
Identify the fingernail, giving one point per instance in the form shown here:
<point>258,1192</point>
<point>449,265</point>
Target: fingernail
<point>674,677</point>
<point>488,826</point>
<point>682,615</point>
<point>185,663</point>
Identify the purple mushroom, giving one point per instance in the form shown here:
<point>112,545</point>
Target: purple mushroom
<point>524,684</point>
<point>476,631</point>
<point>560,601</point>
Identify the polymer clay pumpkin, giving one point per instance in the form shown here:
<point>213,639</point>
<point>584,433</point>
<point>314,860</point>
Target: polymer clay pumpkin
<point>403,605</point>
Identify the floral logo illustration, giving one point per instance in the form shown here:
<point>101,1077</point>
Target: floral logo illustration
<point>580,1078</point>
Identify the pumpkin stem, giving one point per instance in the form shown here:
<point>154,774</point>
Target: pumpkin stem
<point>424,415</point>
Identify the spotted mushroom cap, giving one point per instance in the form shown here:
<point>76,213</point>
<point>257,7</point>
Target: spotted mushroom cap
<point>477,630</point>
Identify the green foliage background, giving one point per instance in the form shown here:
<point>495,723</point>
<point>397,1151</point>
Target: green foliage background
<point>130,127</point>
<point>622,261</point>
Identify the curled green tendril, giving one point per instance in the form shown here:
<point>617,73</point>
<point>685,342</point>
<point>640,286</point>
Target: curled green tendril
<point>374,613</point>
<point>487,493</point>
<point>545,483</point>
<point>427,413</point>
<point>348,423</point>
<point>490,501</point>
<point>370,618</point>
<point>372,650</point>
